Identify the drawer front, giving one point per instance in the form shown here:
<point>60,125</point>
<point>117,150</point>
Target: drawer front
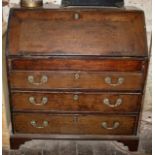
<point>76,80</point>
<point>74,124</point>
<point>79,102</point>
<point>76,63</point>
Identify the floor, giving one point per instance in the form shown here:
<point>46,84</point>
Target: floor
<point>87,147</point>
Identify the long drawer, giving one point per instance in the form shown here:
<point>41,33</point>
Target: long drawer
<point>76,101</point>
<point>76,63</point>
<point>74,124</point>
<point>76,80</point>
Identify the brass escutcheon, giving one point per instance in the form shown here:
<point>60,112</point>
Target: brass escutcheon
<point>76,16</point>
<point>76,76</point>
<point>76,97</point>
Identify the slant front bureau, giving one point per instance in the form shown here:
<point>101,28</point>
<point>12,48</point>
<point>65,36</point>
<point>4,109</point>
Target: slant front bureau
<point>76,73</point>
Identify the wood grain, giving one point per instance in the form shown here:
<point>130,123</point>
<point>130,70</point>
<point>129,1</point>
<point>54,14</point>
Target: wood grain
<point>76,63</point>
<point>76,49</point>
<point>67,80</point>
<point>73,124</point>
<point>65,102</point>
<point>96,32</point>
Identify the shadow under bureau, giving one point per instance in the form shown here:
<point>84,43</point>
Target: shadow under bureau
<point>76,74</point>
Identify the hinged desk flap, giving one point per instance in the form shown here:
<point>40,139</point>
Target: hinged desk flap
<point>100,32</point>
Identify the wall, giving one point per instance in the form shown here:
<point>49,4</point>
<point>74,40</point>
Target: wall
<point>143,4</point>
<point>5,113</point>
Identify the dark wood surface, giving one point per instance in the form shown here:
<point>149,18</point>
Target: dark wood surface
<point>85,80</point>
<point>73,124</point>
<point>64,44</point>
<point>78,63</point>
<point>75,102</point>
<point>77,32</point>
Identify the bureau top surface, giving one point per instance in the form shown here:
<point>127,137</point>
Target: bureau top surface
<point>68,31</point>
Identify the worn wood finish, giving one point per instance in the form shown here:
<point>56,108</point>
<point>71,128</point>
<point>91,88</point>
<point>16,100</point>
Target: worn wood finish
<point>76,49</point>
<point>87,34</point>
<point>76,80</point>
<point>75,102</point>
<point>76,63</point>
<point>73,124</point>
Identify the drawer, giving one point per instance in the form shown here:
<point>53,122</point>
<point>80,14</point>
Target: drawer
<point>76,101</point>
<point>76,80</point>
<point>74,124</point>
<point>76,63</point>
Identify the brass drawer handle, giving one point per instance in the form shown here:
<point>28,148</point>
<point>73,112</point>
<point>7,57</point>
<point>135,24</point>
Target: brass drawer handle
<point>33,101</point>
<point>118,102</point>
<point>115,125</point>
<point>34,124</point>
<point>75,97</point>
<point>43,80</point>
<point>108,80</point>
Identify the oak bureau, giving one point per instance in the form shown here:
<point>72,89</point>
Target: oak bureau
<point>76,74</point>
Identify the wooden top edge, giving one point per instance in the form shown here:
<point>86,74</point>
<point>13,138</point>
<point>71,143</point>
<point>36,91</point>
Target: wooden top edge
<point>89,57</point>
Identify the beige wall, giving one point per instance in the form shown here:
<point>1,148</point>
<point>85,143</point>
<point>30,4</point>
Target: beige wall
<point>143,4</point>
<point>5,108</point>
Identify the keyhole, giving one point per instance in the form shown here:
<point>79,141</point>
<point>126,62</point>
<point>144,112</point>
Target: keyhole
<point>75,119</point>
<point>76,16</point>
<point>77,76</point>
